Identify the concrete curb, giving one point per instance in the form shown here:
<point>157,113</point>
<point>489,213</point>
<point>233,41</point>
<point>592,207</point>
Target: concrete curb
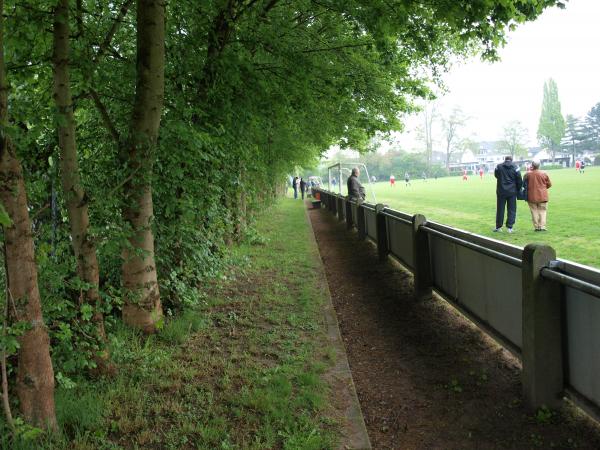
<point>354,430</point>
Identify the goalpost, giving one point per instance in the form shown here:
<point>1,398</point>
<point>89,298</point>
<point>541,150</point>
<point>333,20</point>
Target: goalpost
<point>343,170</point>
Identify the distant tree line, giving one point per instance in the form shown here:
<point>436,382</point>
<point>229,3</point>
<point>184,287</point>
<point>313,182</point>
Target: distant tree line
<point>569,134</point>
<point>582,133</point>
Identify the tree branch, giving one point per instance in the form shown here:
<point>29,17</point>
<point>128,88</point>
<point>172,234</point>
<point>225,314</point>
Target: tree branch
<point>113,29</point>
<point>340,47</point>
<point>40,211</point>
<point>79,18</point>
<point>108,123</point>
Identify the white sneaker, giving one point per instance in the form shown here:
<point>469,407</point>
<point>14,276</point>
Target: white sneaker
<point>497,230</point>
<point>510,230</point>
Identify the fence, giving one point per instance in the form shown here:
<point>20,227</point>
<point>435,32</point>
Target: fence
<point>545,310</point>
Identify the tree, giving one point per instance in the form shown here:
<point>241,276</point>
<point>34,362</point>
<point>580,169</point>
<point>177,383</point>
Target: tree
<point>551,128</point>
<point>142,307</point>
<point>592,128</point>
<point>514,136</point>
<point>84,246</point>
<point>35,375</point>
<point>451,125</point>
<point>425,133</point>
<point>575,135</point>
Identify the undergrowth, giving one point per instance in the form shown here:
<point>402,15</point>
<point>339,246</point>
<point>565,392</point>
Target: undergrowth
<point>242,370</point>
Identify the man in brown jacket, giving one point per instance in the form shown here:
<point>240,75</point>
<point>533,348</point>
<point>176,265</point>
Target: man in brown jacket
<point>538,184</point>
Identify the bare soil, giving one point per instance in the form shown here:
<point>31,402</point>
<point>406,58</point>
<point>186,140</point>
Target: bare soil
<point>426,377</point>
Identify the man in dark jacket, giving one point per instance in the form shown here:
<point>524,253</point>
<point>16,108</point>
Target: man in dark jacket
<point>356,191</point>
<point>302,187</point>
<point>295,187</point>
<point>508,183</point>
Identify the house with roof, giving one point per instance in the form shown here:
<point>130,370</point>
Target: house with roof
<point>489,154</point>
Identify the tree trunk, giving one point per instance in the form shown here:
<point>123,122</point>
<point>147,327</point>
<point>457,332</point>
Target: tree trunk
<point>83,245</point>
<point>428,136</point>
<point>142,307</point>
<point>240,224</point>
<point>239,204</point>
<point>35,377</point>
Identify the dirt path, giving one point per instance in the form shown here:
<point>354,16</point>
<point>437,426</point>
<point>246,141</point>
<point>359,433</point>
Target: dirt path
<point>426,378</point>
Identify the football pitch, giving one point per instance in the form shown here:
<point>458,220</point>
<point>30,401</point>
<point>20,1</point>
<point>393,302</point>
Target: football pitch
<point>573,210</point>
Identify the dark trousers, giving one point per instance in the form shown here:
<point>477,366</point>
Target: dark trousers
<point>501,202</point>
<point>302,191</point>
<point>295,192</point>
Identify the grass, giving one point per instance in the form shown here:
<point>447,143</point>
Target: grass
<point>573,210</point>
<point>243,371</point>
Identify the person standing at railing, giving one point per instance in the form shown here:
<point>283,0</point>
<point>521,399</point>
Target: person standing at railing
<point>538,183</point>
<point>302,187</point>
<point>356,191</point>
<point>295,182</point>
<point>508,183</point>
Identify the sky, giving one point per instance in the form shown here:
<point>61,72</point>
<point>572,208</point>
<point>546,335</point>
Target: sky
<point>561,44</point>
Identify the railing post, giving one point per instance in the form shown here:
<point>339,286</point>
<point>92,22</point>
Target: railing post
<point>360,222</point>
<point>348,214</point>
<point>382,241</point>
<point>333,201</point>
<point>340,207</point>
<point>542,375</point>
<point>423,280</point>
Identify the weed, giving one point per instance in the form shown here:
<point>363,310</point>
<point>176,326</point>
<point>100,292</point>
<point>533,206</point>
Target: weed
<point>536,440</point>
<point>454,386</point>
<point>177,330</point>
<point>544,415</point>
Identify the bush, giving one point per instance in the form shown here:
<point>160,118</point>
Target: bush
<point>552,167</point>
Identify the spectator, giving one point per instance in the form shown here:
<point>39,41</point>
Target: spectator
<point>302,187</point>
<point>295,186</point>
<point>406,179</point>
<point>582,166</point>
<point>508,183</point>
<point>481,173</point>
<point>392,180</point>
<point>356,191</point>
<point>538,184</point>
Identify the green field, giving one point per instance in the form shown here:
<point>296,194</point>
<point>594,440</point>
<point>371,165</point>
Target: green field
<point>573,209</point>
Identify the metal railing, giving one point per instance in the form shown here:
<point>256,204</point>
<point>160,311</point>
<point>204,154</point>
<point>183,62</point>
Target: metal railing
<point>543,309</point>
